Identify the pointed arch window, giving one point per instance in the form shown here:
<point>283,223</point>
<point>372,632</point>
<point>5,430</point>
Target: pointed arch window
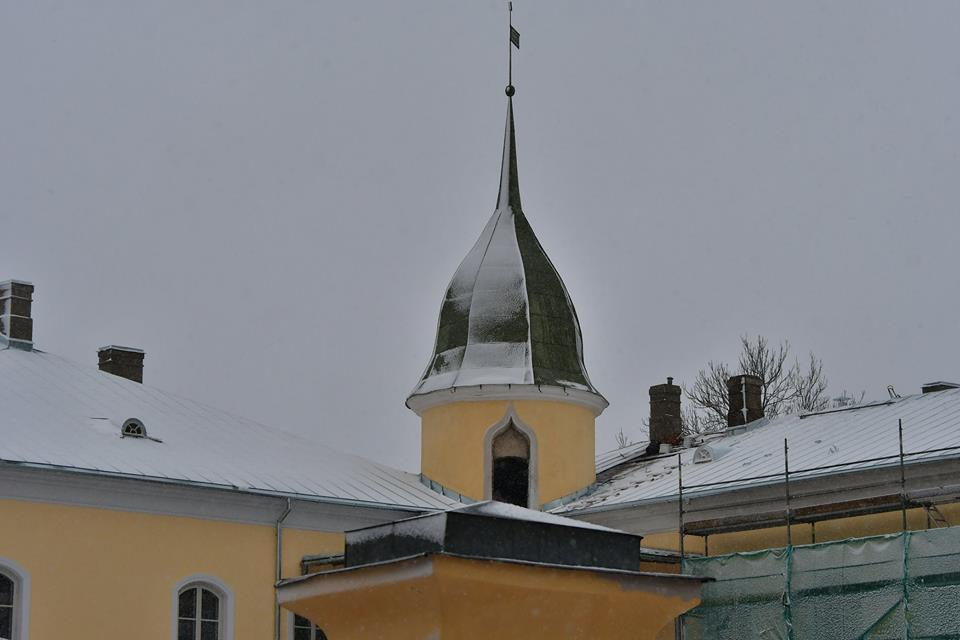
<point>511,467</point>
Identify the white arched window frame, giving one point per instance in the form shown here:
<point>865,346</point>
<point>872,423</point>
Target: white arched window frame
<point>509,419</point>
<point>21,597</point>
<point>294,631</point>
<point>210,583</point>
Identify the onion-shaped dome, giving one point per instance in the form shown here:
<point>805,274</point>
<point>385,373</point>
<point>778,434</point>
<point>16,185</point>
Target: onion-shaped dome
<point>507,318</point>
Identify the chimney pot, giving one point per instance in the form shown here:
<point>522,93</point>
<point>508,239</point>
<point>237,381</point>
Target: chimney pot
<point>665,422</point>
<point>125,362</point>
<point>940,385</point>
<point>745,392</point>
<point>16,323</point>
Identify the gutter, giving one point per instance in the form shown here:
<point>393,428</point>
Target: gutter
<point>768,480</point>
<point>279,565</point>
<point>349,502</point>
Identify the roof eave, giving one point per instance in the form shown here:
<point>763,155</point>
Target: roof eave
<point>420,402</point>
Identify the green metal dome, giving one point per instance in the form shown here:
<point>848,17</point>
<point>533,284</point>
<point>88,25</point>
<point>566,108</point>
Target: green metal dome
<point>507,318</point>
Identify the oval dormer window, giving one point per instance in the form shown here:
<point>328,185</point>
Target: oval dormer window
<point>133,428</point>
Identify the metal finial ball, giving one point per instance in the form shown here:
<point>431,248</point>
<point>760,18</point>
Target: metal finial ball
<point>510,90</point>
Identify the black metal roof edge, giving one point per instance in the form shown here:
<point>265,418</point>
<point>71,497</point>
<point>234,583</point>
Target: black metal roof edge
<point>420,556</point>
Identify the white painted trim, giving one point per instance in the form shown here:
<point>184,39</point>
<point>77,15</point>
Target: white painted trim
<point>659,515</point>
<point>214,584</point>
<point>355,578</point>
<point>21,597</point>
<point>589,400</point>
<point>56,486</point>
<point>290,615</point>
<point>508,419</point>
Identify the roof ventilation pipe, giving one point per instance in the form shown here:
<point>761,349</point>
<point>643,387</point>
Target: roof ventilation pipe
<point>746,399</point>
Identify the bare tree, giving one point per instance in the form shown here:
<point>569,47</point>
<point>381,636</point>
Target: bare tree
<point>768,363</point>
<point>847,400</point>
<point>693,423</point>
<point>709,395</point>
<point>622,439</point>
<point>809,387</point>
<point>785,387</point>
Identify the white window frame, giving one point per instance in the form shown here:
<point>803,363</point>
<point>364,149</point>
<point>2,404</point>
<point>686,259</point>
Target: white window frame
<point>210,583</point>
<point>21,597</point>
<point>290,626</point>
<point>508,419</point>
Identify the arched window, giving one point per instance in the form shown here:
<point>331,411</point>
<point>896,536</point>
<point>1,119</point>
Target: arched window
<point>511,467</point>
<point>8,603</point>
<point>203,610</point>
<point>14,601</point>
<point>303,629</point>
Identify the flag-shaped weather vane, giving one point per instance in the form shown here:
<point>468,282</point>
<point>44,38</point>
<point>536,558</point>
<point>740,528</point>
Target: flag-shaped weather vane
<point>514,42</point>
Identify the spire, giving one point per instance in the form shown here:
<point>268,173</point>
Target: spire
<point>507,319</point>
<point>509,195</point>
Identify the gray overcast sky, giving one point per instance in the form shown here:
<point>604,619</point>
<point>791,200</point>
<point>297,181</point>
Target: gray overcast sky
<point>270,197</point>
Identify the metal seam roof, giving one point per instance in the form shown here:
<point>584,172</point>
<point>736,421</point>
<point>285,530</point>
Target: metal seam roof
<point>61,414</point>
<point>507,318</point>
<point>930,421</point>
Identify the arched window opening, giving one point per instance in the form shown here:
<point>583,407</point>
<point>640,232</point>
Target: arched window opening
<point>133,428</point>
<point>8,606</point>
<point>303,629</point>
<point>511,467</point>
<point>199,614</point>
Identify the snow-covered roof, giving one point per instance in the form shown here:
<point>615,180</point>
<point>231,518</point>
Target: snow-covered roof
<point>753,454</point>
<point>56,413</point>
<point>507,318</point>
<point>494,509</point>
<point>610,459</point>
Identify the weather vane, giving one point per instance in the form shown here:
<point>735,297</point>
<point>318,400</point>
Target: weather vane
<point>514,42</point>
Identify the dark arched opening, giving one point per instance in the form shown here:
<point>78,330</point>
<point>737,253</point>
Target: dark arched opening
<point>511,467</point>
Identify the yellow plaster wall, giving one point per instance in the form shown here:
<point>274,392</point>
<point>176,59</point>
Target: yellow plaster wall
<point>452,448</point>
<point>824,531</point>
<point>471,599</point>
<point>98,573</point>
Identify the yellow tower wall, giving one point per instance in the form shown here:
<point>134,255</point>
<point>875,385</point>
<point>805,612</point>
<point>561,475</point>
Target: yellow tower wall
<point>98,573</point>
<point>452,444</point>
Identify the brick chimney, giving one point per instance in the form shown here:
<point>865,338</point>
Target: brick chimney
<point>744,391</point>
<point>16,325</point>
<point>665,422</point>
<point>125,362</point>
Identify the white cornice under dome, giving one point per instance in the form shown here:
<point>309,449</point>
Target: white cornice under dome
<point>477,393</point>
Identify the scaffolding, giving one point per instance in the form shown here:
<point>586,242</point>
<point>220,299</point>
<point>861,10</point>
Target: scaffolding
<point>901,585</point>
<point>790,516</point>
<point>904,585</point>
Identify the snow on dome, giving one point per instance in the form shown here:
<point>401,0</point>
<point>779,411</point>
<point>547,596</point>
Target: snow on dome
<point>507,318</point>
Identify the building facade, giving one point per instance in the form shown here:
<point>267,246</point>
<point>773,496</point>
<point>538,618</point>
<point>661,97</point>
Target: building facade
<point>125,510</point>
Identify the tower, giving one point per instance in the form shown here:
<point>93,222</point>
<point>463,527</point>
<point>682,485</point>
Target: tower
<point>507,408</point>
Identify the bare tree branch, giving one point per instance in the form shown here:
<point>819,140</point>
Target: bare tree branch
<point>709,394</point>
<point>809,387</point>
<point>785,388</point>
<point>759,359</point>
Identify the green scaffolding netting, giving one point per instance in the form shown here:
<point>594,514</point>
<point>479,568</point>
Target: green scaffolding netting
<point>905,585</point>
